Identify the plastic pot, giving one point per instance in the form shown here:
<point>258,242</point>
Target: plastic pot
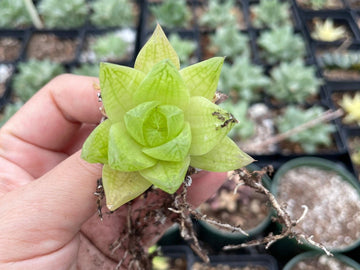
<point>313,254</point>
<point>217,238</point>
<point>325,165</point>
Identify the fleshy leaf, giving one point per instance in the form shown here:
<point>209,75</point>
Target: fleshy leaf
<point>156,49</point>
<point>118,83</point>
<point>175,119</point>
<point>202,78</point>
<point>124,153</point>
<point>225,156</point>
<point>163,83</point>
<point>175,150</point>
<point>209,124</point>
<point>134,120</point>
<point>121,187</point>
<point>95,148</point>
<point>167,175</point>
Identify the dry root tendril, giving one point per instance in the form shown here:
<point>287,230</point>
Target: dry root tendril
<point>175,208</point>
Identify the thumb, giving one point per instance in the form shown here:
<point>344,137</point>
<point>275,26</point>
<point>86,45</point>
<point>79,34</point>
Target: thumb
<point>48,212</point>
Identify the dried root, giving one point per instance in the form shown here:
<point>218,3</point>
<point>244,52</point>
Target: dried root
<point>175,208</point>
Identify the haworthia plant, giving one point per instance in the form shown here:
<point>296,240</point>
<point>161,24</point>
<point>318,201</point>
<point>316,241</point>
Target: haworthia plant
<point>160,120</point>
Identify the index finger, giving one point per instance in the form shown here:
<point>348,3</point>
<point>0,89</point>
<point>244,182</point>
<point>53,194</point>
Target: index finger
<point>53,116</point>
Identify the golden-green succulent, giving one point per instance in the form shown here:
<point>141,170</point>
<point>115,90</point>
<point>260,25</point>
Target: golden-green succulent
<point>327,31</point>
<point>351,106</point>
<point>160,120</point>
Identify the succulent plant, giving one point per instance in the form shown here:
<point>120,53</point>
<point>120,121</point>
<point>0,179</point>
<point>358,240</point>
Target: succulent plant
<point>228,41</point>
<point>351,106</point>
<point>271,13</point>
<point>293,82</point>
<point>218,13</point>
<point>317,4</point>
<point>13,14</point>
<point>10,110</point>
<point>246,127</point>
<point>172,13</point>
<point>327,31</point>
<point>87,69</point>
<point>159,121</point>
<point>348,60</point>
<point>64,13</point>
<point>311,138</point>
<point>243,78</point>
<point>355,157</point>
<point>185,48</point>
<point>109,46</point>
<point>33,75</point>
<point>281,44</point>
<point>112,13</point>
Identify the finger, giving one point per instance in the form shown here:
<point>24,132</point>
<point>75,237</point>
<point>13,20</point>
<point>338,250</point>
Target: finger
<point>44,126</point>
<point>59,108</point>
<point>49,211</point>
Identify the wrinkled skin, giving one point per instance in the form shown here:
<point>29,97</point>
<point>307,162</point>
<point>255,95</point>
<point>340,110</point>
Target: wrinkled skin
<point>48,212</point>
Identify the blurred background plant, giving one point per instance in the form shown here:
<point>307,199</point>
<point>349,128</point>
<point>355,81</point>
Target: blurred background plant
<point>218,13</point>
<point>311,138</point>
<point>112,13</point>
<point>172,13</point>
<point>270,13</point>
<point>230,42</point>
<point>14,14</point>
<point>293,82</point>
<point>33,75</point>
<point>185,48</point>
<point>345,60</point>
<point>243,80</point>
<point>281,44</point>
<point>87,69</point>
<point>351,106</point>
<point>63,14</point>
<point>325,30</point>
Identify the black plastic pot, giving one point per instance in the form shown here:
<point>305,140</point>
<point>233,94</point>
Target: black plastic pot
<point>325,165</point>
<point>313,254</point>
<point>217,238</point>
<point>261,260</point>
<point>178,252</point>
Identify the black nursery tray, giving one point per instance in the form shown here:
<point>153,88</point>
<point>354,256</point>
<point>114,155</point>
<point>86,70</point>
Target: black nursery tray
<point>265,261</point>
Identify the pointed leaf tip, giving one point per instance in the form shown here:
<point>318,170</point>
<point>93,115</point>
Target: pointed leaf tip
<point>156,49</point>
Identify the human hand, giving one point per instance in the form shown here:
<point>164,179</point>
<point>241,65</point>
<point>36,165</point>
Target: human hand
<point>48,214</point>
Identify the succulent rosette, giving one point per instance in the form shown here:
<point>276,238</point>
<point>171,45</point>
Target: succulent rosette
<point>160,120</point>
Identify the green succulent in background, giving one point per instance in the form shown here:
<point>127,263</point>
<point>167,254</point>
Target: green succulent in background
<point>13,14</point>
<point>271,13</point>
<point>243,78</point>
<point>293,82</point>
<point>87,69</point>
<point>171,13</point>
<point>33,75</point>
<point>110,46</point>
<point>63,14</point>
<point>184,48</point>
<point>159,121</point>
<point>112,13</point>
<point>317,4</point>
<point>229,41</point>
<point>311,138</point>
<point>245,127</point>
<point>218,13</point>
<point>348,60</point>
<point>281,44</point>
<point>9,111</point>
